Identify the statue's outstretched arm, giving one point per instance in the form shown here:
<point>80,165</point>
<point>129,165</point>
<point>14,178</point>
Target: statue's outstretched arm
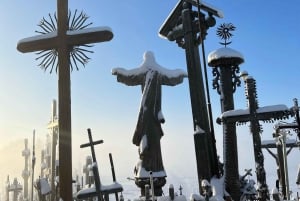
<point>129,77</point>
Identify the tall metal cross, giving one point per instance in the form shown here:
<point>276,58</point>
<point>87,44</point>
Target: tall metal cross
<point>63,41</point>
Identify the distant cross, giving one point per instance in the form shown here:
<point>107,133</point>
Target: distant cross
<point>53,127</point>
<point>100,191</point>
<point>91,144</point>
<point>95,169</point>
<point>86,170</point>
<point>26,172</point>
<point>16,188</point>
<point>63,43</point>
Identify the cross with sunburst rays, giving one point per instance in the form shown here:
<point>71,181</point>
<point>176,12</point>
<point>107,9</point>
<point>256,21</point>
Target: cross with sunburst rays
<point>224,32</point>
<point>62,43</point>
<point>48,58</point>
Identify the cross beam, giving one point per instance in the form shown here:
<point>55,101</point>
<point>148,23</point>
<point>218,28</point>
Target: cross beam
<point>267,113</point>
<point>91,144</point>
<point>63,40</point>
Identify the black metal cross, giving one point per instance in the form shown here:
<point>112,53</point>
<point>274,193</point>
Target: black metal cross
<point>63,41</point>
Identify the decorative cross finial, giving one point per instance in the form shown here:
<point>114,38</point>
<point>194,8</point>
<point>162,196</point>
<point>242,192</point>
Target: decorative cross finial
<point>48,58</point>
<point>223,31</point>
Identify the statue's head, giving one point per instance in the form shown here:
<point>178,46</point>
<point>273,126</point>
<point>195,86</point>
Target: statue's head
<point>148,55</point>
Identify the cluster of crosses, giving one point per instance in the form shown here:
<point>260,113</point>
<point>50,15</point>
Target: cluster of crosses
<point>188,28</point>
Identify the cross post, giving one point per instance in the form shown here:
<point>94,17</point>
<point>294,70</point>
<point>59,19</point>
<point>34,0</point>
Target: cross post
<point>53,127</point>
<point>26,172</point>
<point>183,27</point>
<point>63,41</point>
<point>254,114</point>
<point>95,168</point>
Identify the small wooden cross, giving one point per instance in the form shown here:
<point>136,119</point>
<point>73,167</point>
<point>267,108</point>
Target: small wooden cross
<point>91,144</point>
<point>63,41</point>
<point>95,169</point>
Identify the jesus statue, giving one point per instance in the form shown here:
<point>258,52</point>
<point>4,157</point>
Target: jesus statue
<point>150,75</point>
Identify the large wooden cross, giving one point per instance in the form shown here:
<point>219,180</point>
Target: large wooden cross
<point>63,41</point>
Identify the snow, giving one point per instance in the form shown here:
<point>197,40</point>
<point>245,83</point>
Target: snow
<point>160,116</point>
<point>39,37</point>
<point>272,142</point>
<point>199,130</point>
<point>176,198</point>
<point>92,189</point>
<point>142,173</point>
<point>224,52</point>
<point>45,187</point>
<point>217,188</point>
<point>70,33</point>
<point>89,30</point>
<point>143,143</point>
<point>239,112</point>
<point>149,63</point>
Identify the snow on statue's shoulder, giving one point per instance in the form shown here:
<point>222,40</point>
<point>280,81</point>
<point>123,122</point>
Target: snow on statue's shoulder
<point>149,63</point>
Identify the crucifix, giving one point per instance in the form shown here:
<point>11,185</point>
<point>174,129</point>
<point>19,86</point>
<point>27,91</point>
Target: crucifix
<point>63,41</point>
<point>151,76</point>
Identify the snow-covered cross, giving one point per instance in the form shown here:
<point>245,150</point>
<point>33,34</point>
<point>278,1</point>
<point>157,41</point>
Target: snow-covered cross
<point>62,40</point>
<point>254,114</point>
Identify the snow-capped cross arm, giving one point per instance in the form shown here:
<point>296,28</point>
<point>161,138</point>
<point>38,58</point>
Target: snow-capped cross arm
<point>263,114</point>
<point>73,38</point>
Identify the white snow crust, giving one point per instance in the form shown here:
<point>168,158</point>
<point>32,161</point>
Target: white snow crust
<point>224,52</point>
<point>239,112</point>
<point>149,63</point>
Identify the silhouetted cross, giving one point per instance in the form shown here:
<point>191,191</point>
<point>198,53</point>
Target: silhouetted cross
<point>63,41</point>
<point>91,144</point>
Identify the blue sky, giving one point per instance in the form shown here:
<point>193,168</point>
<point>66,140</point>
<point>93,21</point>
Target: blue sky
<point>267,34</point>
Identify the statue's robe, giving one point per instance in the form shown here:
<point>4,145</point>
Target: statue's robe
<point>148,130</point>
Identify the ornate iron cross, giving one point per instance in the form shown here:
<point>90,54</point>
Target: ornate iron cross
<point>63,40</point>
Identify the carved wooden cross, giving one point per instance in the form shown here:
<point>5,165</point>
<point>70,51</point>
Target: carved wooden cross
<point>91,144</point>
<point>254,114</point>
<point>63,41</point>
<point>95,169</point>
